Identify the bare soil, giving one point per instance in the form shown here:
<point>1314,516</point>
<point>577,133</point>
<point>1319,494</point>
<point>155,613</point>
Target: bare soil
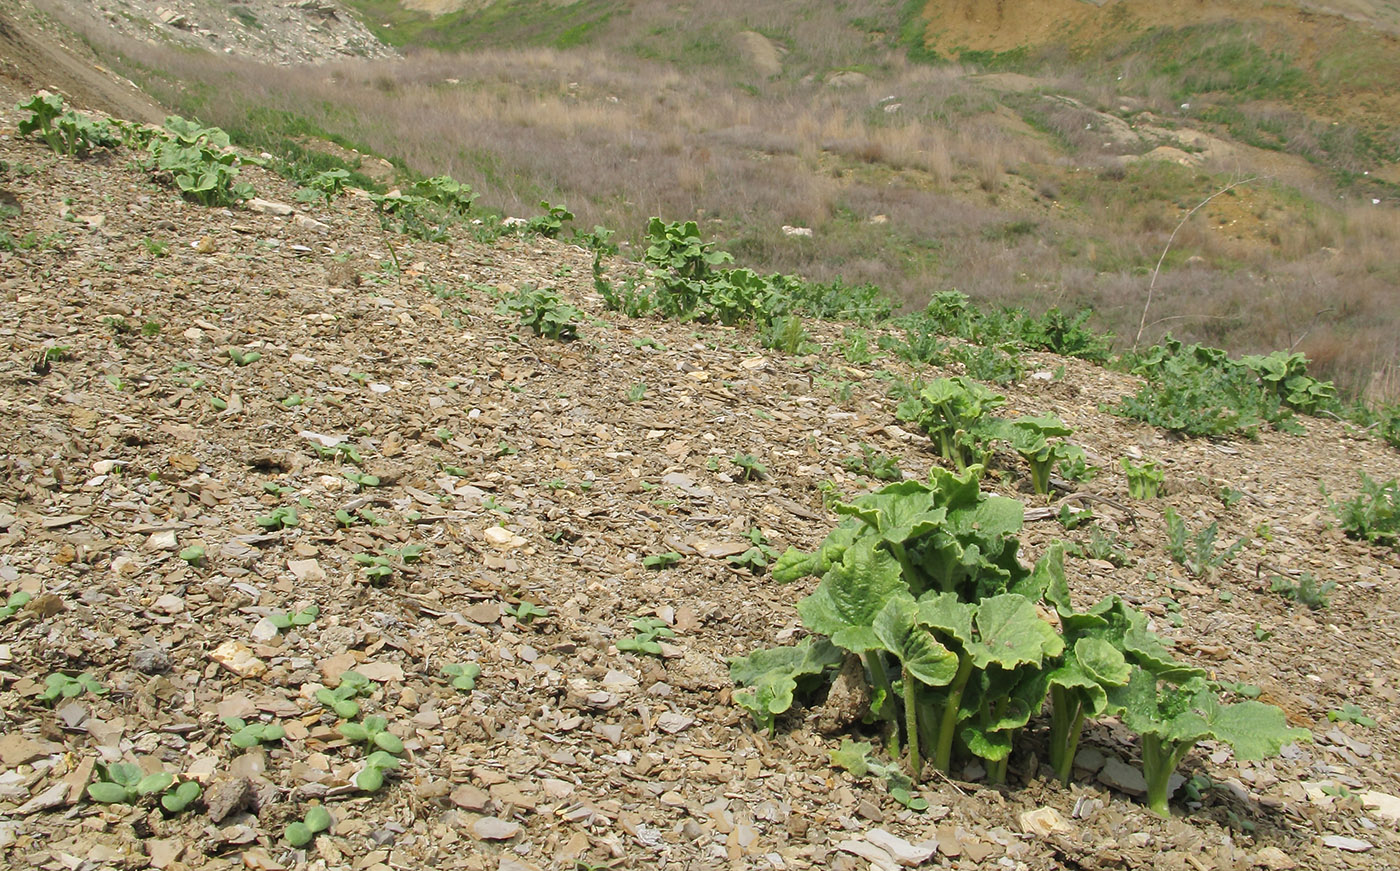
<point>526,474</point>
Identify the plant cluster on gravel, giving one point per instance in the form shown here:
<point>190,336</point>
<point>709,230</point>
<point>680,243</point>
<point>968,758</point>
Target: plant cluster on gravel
<point>922,582</point>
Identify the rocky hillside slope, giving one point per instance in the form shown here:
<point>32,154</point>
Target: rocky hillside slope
<point>216,419</point>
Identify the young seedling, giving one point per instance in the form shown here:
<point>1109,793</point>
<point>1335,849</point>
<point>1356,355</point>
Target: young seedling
<point>283,517</point>
<point>648,630</point>
<point>526,612</point>
<point>462,675</point>
<point>360,479</point>
<point>194,555</point>
<point>750,469</point>
<point>244,358</point>
<point>305,617</point>
<point>1350,713</point>
<point>123,783</point>
<point>342,698</point>
<point>1196,552</point>
<point>1171,719</point>
<point>1030,437</point>
<point>247,734</point>
<point>61,686</point>
<point>371,777</point>
<point>854,756</point>
<point>1145,481</point>
<point>375,731</point>
<point>13,604</point>
<point>636,392</point>
<point>1072,518</point>
<point>872,464</point>
<point>661,560</point>
<point>316,821</point>
<point>1306,590</point>
<point>378,569</point>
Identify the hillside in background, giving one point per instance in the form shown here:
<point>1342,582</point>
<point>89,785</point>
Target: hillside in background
<point>1044,158</point>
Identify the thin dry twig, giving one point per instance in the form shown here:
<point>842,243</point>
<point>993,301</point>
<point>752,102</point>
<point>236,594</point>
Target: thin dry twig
<point>1152,285</point>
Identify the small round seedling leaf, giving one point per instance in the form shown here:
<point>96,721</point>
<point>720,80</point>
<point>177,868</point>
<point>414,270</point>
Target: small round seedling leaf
<point>280,619</point>
<point>273,732</point>
<point>108,792</point>
<point>346,708</point>
<point>381,759</point>
<point>370,780</point>
<point>306,616</point>
<point>156,782</point>
<point>244,738</point>
<point>376,723</point>
<point>318,819</point>
<point>237,724</point>
<point>181,797</point>
<point>298,834</point>
<point>388,741</point>
<point>354,732</point>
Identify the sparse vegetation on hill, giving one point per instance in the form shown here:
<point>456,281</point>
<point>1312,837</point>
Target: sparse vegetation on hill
<point>383,527</point>
<point>1024,190</point>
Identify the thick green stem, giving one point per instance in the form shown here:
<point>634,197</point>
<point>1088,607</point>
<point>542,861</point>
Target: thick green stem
<point>911,723</point>
<point>1158,763</point>
<point>1066,721</point>
<point>948,724</point>
<point>996,770</point>
<point>881,678</point>
<point>1040,475</point>
<point>906,567</point>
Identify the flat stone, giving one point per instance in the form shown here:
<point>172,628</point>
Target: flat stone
<point>877,857</point>
<point>16,749</point>
<point>306,570</point>
<point>1123,777</point>
<point>1381,804</point>
<point>1274,859</point>
<point>381,672</point>
<point>268,207</point>
<point>469,798</point>
<point>238,658</point>
<point>900,850</point>
<point>492,829</point>
<point>1350,845</point>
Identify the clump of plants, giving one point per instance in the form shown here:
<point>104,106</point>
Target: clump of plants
<point>1200,391</point>
<point>1144,481</point>
<point>543,312</point>
<point>923,582</point>
<point>65,131</point>
<point>1372,515</point>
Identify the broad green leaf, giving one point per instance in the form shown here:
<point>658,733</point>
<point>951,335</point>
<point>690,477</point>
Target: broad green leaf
<point>770,677</point>
<point>370,780</point>
<point>898,628</point>
<point>383,760</point>
<point>898,512</point>
<point>854,756</point>
<point>991,745</point>
<point>946,613</point>
<point>1182,715</point>
<point>1102,661</point>
<point>181,797</point>
<point>1047,580</point>
<point>388,741</point>
<point>354,732</point>
<point>1011,632</point>
<point>850,595</point>
<point>125,773</point>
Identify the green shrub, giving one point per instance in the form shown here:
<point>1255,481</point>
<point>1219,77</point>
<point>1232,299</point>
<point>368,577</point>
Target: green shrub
<point>1373,514</point>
